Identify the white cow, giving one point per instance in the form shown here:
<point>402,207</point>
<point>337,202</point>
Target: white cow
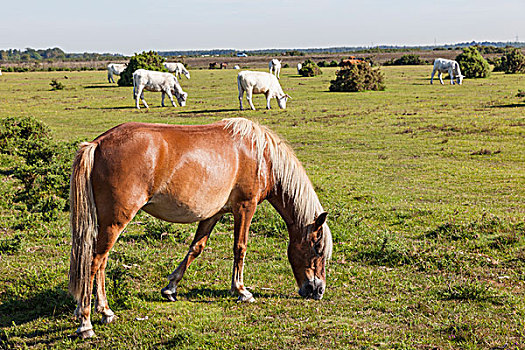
<point>299,66</point>
<point>166,83</point>
<point>236,67</point>
<point>177,68</point>
<point>260,83</point>
<point>115,68</point>
<point>442,65</point>
<point>275,65</point>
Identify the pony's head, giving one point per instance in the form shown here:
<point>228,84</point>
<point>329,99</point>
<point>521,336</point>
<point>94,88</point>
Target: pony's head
<point>281,101</point>
<point>181,97</point>
<point>308,256</point>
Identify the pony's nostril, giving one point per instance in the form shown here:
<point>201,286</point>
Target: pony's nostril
<point>309,289</point>
<point>320,290</point>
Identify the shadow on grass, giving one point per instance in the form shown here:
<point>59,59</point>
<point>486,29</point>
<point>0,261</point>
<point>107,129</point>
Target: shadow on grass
<point>51,302</point>
<point>113,108</point>
<point>105,86</point>
<point>195,295</point>
<point>208,295</point>
<point>512,105</point>
<point>211,111</point>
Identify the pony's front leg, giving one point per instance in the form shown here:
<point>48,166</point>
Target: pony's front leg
<point>196,247</point>
<point>101,303</point>
<point>451,74</point>
<point>170,96</point>
<point>242,220</point>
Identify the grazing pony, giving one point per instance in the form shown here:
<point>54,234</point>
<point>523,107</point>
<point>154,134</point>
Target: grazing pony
<point>443,65</point>
<point>186,174</point>
<point>275,66</point>
<point>115,69</point>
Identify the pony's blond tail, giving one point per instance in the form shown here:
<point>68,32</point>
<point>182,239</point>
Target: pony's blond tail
<point>83,220</point>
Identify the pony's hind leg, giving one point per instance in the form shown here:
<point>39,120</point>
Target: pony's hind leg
<point>101,302</point>
<point>196,247</point>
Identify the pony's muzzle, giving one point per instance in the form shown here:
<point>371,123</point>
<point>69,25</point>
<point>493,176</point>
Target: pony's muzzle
<point>313,289</point>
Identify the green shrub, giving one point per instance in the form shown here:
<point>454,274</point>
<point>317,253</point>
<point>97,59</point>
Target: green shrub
<point>472,64</point>
<point>512,62</point>
<point>56,85</point>
<point>146,60</point>
<point>358,77</point>
<point>405,60</point>
<point>43,166</point>
<point>310,69</point>
<point>334,63</point>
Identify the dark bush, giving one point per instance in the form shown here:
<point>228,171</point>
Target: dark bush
<point>405,60</point>
<point>358,77</point>
<point>310,69</point>
<point>146,60</point>
<point>322,64</point>
<point>472,64</point>
<point>334,63</point>
<point>56,85</point>
<point>512,62</point>
<point>42,167</point>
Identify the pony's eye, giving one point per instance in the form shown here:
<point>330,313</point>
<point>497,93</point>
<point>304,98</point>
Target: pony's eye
<point>318,248</point>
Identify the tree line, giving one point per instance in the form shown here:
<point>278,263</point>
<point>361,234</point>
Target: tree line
<point>29,54</point>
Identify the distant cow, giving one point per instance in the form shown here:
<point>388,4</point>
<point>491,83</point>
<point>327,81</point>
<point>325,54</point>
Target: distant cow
<point>212,65</point>
<point>155,81</point>
<point>224,65</point>
<point>177,68</point>
<point>260,83</point>
<point>442,65</point>
<point>299,67</point>
<point>236,67</point>
<point>115,68</point>
<point>275,65</point>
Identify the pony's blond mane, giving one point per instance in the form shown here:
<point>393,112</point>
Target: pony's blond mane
<point>287,169</point>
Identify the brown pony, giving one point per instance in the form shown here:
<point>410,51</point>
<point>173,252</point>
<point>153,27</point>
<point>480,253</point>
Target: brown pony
<point>186,174</point>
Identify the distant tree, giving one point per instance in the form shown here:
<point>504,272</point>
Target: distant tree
<point>512,62</point>
<point>405,60</point>
<point>310,69</point>
<point>358,77</point>
<point>472,64</point>
<point>146,60</point>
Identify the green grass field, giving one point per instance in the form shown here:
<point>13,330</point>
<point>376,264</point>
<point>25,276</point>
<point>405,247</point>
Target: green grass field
<point>425,189</point>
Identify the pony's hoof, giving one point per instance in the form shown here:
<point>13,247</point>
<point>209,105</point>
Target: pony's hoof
<point>168,294</point>
<point>86,334</point>
<point>246,299</point>
<point>108,319</point>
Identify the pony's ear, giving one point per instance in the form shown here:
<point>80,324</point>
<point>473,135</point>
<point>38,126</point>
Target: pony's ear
<point>320,220</point>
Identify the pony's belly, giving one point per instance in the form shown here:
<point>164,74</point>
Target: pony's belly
<point>181,212</point>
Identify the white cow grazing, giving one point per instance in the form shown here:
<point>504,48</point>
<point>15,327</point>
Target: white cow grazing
<point>260,83</point>
<point>442,65</point>
<point>166,83</point>
<point>115,68</point>
<point>299,66</point>
<point>275,65</point>
<point>236,67</point>
<point>177,68</point>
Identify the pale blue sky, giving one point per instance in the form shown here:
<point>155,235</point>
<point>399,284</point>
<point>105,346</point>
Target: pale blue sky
<point>128,26</point>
